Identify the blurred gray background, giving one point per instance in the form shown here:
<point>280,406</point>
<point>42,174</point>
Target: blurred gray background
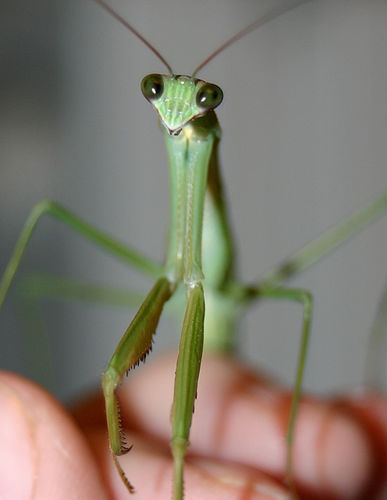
<point>304,143</point>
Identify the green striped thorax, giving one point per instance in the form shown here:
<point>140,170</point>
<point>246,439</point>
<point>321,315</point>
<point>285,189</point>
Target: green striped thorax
<point>179,99</point>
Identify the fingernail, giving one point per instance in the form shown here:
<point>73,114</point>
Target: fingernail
<point>241,478</point>
<point>16,450</point>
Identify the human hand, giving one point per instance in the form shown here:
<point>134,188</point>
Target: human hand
<point>237,440</point>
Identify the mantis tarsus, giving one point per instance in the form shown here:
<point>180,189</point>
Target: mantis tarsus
<point>269,290</point>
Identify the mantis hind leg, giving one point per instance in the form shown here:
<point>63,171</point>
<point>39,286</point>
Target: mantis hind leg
<point>375,362</point>
<point>36,289</point>
<point>304,298</point>
<point>269,287</point>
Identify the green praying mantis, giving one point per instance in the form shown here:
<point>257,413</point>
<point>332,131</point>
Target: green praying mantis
<point>200,258</point>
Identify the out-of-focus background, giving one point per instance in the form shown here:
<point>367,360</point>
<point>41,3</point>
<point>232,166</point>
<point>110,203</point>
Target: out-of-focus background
<point>304,143</point>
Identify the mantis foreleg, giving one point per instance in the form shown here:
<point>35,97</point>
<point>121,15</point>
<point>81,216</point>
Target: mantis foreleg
<point>186,381</point>
<point>133,348</point>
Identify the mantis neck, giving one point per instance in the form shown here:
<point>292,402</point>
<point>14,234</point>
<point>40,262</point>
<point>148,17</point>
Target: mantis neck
<point>196,202</point>
<point>189,156</point>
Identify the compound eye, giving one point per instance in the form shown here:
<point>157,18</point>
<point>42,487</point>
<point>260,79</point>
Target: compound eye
<point>209,96</point>
<point>152,86</point>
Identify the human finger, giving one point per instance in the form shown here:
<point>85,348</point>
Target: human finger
<point>241,417</point>
<point>43,454</point>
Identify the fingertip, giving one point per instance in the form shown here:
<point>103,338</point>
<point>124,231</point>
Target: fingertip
<point>369,409</point>
<point>43,453</point>
<point>331,452</point>
<point>16,450</point>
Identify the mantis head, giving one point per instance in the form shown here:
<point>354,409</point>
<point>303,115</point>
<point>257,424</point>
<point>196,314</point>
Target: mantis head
<point>179,99</point>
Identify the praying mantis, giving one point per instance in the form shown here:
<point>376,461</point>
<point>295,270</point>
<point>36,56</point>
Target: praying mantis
<point>270,290</point>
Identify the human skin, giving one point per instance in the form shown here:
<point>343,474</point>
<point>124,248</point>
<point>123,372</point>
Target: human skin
<point>237,440</point>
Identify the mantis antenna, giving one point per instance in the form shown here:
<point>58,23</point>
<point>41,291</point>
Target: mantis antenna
<point>128,26</point>
<point>272,14</point>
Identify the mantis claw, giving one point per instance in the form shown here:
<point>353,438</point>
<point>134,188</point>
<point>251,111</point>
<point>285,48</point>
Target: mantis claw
<point>122,474</point>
